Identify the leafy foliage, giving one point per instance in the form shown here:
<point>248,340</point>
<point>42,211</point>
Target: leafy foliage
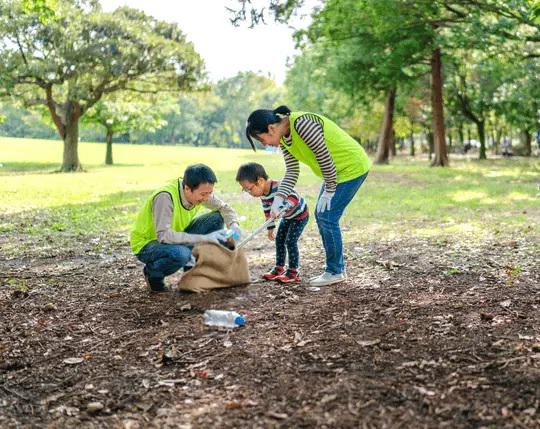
<point>69,63</point>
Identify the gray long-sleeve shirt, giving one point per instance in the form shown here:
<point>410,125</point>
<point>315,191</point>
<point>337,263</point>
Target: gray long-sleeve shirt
<point>162,212</point>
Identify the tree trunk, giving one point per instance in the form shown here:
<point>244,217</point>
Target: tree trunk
<point>441,155</point>
<point>461,136</point>
<point>481,128</point>
<point>431,144</point>
<point>387,126</point>
<point>71,139</point>
<point>108,151</point>
<point>526,139</point>
<point>412,144</point>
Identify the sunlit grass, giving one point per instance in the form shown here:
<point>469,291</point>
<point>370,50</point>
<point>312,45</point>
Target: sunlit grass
<point>406,197</point>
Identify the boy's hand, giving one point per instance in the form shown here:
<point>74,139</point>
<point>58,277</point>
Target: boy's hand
<point>271,234</point>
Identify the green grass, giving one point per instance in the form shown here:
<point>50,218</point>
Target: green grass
<point>471,198</point>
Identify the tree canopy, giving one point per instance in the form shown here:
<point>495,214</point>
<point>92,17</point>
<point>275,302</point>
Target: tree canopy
<point>72,61</point>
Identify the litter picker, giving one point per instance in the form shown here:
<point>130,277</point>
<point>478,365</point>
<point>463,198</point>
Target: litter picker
<point>255,232</point>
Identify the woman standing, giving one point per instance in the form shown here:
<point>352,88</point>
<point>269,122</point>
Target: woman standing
<point>332,154</point>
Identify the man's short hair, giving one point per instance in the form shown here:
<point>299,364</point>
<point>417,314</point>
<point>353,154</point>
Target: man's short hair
<point>197,174</point>
<point>251,172</point>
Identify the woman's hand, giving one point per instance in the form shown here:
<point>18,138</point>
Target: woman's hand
<point>276,206</point>
<point>271,234</point>
<point>325,201</point>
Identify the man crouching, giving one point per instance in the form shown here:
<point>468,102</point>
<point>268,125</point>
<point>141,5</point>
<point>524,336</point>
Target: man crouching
<point>167,226</point>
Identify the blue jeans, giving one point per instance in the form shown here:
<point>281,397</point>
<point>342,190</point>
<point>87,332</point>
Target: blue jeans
<point>165,259</point>
<point>328,223</point>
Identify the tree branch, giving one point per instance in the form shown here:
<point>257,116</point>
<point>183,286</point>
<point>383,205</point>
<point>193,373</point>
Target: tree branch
<point>51,104</point>
<point>21,50</point>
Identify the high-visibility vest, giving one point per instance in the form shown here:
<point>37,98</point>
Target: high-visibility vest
<point>349,156</point>
<point>144,231</point>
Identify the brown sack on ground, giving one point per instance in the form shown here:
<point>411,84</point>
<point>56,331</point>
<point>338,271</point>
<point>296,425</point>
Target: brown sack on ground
<point>216,267</point>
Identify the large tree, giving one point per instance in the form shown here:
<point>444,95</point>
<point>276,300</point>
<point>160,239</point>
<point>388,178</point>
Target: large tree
<point>124,113</point>
<point>68,62</point>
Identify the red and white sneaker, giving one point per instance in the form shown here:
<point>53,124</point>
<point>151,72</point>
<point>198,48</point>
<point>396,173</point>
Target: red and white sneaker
<point>274,273</point>
<point>289,277</point>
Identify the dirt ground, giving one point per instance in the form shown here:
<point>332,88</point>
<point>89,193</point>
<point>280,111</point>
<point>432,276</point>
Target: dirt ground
<point>424,334</point>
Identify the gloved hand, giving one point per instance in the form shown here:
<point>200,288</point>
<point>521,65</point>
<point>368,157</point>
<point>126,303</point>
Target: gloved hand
<point>324,201</point>
<point>218,237</point>
<point>276,206</point>
<point>237,231</point>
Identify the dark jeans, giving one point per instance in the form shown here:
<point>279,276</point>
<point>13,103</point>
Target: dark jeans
<point>165,259</point>
<point>288,233</point>
<point>328,223</point>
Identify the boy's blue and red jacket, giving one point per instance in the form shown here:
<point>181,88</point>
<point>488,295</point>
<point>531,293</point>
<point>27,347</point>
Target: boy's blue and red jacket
<point>298,211</point>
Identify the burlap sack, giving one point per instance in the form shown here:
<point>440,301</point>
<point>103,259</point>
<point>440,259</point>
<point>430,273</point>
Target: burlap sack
<point>216,267</point>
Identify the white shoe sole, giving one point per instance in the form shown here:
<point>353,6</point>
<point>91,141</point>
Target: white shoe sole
<point>327,282</point>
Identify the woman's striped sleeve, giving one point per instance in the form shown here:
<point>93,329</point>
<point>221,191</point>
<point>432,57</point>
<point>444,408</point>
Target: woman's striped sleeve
<point>309,128</point>
<point>292,171</point>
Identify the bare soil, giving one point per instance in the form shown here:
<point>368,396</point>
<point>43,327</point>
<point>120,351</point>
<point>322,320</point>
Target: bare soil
<point>424,333</point>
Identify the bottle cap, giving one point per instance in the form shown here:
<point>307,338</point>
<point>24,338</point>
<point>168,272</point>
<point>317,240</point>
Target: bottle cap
<point>239,320</point>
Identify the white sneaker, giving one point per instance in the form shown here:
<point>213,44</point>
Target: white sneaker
<point>327,278</point>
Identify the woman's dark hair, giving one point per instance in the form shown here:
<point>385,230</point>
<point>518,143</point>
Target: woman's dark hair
<point>197,174</point>
<point>251,172</point>
<point>258,121</point>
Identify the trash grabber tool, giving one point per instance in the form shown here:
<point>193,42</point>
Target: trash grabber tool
<point>263,227</point>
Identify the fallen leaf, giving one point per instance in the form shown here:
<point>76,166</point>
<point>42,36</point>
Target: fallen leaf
<point>73,360</point>
<point>279,416</point>
<point>368,343</point>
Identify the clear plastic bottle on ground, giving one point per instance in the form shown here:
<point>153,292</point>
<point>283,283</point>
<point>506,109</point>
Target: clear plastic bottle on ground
<point>227,319</point>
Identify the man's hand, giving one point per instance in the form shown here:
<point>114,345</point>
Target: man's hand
<point>276,206</point>
<point>271,236</point>
<point>324,202</point>
<point>218,237</point>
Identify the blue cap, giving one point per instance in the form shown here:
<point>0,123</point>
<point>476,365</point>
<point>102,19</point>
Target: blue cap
<point>239,320</point>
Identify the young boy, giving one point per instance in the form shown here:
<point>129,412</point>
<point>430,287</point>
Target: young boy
<point>253,179</point>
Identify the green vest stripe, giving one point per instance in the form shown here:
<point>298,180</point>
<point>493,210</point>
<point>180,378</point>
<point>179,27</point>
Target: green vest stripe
<point>349,156</point>
<point>144,231</point>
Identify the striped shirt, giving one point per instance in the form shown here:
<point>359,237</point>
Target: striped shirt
<point>309,128</point>
<point>298,210</point>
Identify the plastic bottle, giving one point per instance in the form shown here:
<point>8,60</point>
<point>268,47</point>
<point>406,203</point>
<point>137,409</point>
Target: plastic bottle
<point>232,233</point>
<point>227,319</point>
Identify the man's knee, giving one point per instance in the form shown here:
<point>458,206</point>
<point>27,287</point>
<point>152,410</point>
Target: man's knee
<point>215,221</point>
<point>180,255</point>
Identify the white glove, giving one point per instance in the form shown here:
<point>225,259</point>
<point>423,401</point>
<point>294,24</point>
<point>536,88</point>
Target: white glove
<point>324,201</point>
<point>215,237</point>
<point>276,206</point>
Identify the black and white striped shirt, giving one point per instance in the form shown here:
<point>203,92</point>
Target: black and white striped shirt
<point>298,210</point>
<point>309,128</point>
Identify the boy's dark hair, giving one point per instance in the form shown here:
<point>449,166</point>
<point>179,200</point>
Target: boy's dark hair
<point>251,172</point>
<point>197,174</point>
<point>259,120</point>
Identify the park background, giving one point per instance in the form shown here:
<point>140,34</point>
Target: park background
<point>437,324</point>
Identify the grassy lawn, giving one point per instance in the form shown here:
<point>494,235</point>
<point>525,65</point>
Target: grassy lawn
<point>471,199</point>
<point>436,325</point>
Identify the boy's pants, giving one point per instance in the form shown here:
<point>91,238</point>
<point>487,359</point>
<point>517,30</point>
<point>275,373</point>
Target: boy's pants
<point>328,223</point>
<point>165,259</point>
<point>288,233</point>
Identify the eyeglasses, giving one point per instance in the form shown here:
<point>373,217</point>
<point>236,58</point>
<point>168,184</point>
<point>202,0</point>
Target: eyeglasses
<point>248,190</point>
